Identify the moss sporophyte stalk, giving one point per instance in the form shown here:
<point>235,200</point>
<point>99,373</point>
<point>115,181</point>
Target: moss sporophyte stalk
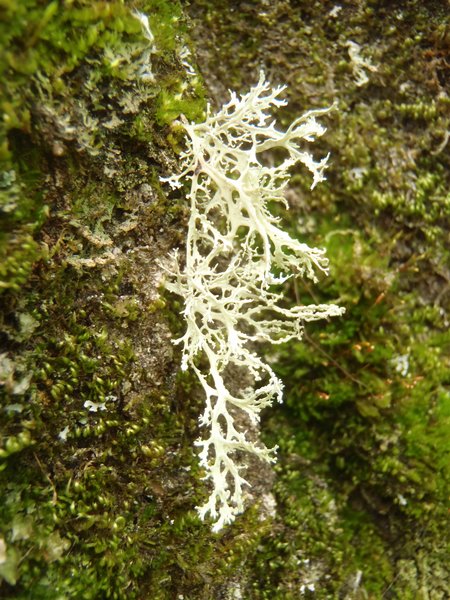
<point>237,260</point>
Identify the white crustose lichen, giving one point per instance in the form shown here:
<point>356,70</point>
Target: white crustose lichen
<point>237,258</point>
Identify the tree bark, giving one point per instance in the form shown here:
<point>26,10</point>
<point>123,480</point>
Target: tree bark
<point>98,472</point>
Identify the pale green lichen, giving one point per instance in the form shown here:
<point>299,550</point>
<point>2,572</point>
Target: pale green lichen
<point>235,256</point>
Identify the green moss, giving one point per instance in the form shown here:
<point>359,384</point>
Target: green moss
<point>99,477</point>
<point>172,104</point>
<point>363,479</point>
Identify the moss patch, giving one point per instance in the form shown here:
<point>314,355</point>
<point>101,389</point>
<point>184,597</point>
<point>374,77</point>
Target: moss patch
<point>98,472</point>
<point>363,477</point>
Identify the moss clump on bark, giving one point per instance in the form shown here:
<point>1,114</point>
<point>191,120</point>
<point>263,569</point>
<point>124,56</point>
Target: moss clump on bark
<point>99,479</point>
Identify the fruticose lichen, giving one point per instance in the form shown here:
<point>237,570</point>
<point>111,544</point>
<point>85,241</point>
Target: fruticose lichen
<point>237,257</point>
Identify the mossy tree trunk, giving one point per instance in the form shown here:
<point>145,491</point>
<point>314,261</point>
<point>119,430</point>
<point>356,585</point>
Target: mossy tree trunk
<point>99,478</point>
